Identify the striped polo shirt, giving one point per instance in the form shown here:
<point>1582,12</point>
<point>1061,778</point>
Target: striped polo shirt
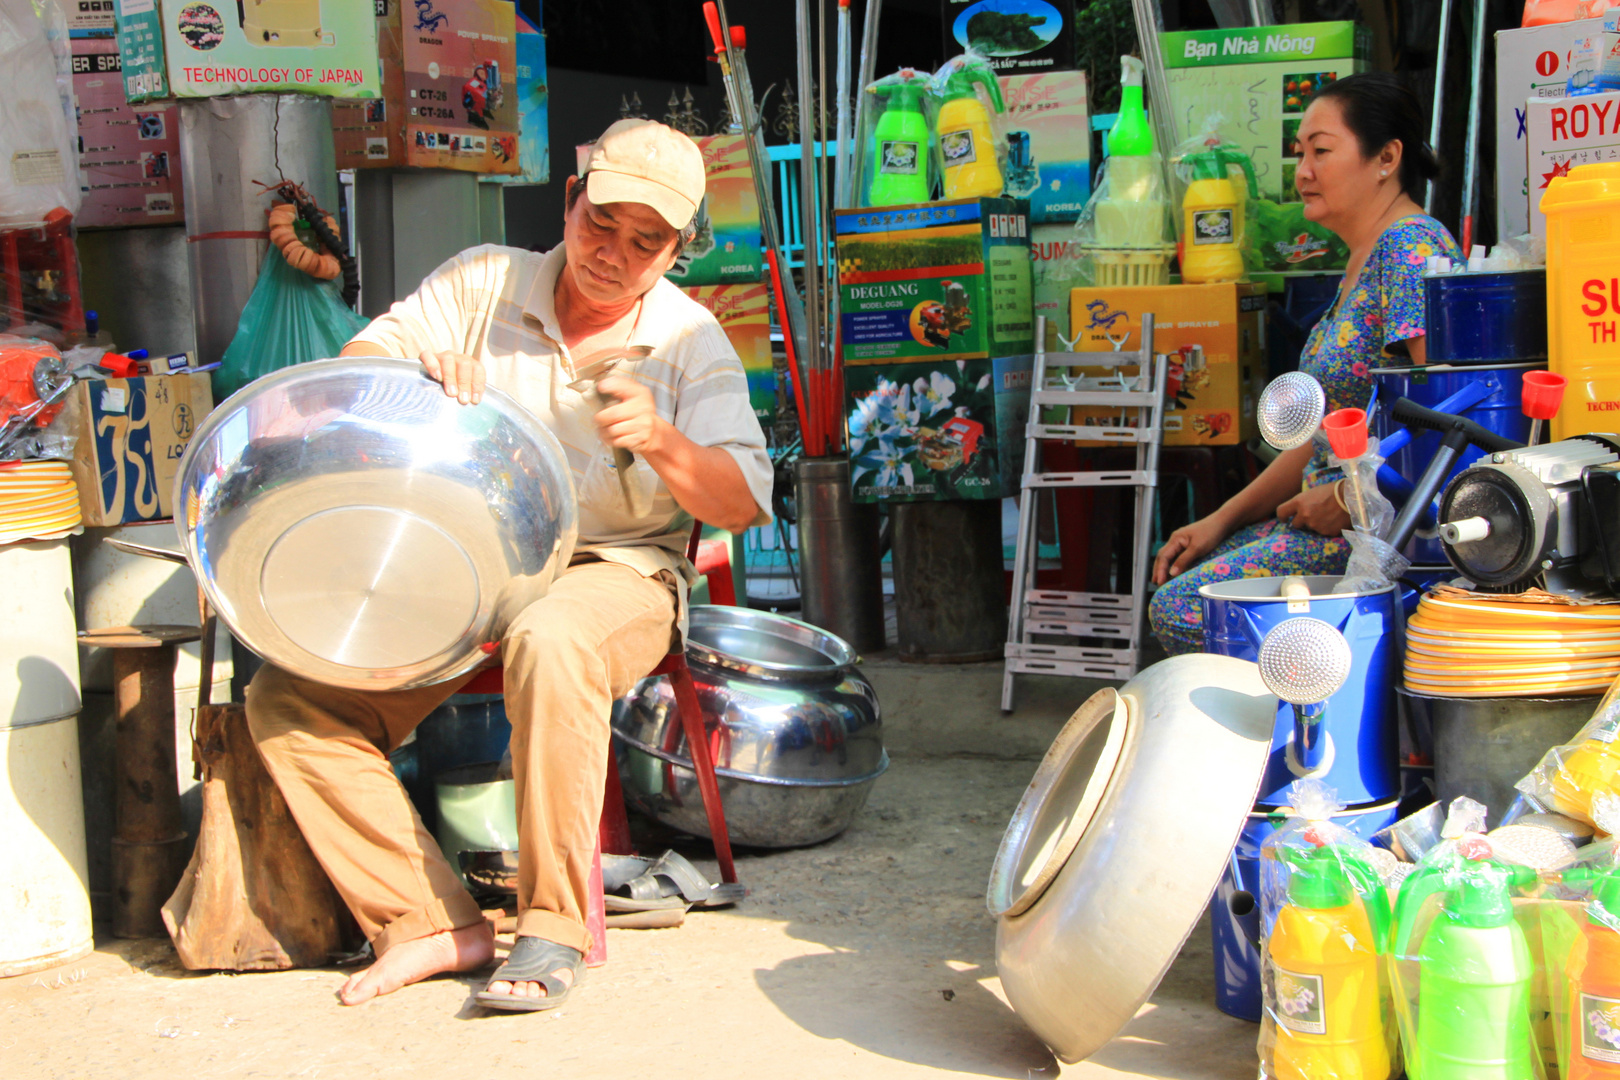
<point>496,304</point>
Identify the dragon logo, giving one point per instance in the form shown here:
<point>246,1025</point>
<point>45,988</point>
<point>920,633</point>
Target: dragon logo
<point>1102,318</point>
<point>427,19</point>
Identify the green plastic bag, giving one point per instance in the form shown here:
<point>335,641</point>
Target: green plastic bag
<point>291,318</point>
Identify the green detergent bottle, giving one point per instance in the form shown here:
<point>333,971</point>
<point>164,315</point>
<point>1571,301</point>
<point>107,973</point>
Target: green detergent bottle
<point>1474,982</point>
<point>899,162</point>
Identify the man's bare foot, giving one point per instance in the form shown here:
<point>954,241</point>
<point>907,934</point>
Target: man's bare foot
<point>466,949</point>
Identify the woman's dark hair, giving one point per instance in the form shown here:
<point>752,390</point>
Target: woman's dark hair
<point>1380,110</point>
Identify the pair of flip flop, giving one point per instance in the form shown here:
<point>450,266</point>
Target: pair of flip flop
<point>629,883</point>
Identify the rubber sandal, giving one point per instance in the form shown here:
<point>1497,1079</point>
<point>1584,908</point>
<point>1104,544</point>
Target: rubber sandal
<point>533,959</point>
<point>672,881</point>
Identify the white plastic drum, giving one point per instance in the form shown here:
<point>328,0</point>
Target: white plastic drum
<point>44,903</point>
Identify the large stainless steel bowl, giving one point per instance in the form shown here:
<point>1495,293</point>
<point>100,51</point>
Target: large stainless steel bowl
<point>354,525</point>
<point>1114,850</point>
<point>793,726</point>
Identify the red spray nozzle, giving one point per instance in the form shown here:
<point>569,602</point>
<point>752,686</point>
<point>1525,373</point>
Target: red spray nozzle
<point>1346,430</point>
<point>1542,395</point>
<point>739,38</point>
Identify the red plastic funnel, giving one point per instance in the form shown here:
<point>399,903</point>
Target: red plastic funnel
<point>1543,394</point>
<point>1346,430</point>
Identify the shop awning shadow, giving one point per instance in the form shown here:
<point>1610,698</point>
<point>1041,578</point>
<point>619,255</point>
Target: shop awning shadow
<point>887,1003</point>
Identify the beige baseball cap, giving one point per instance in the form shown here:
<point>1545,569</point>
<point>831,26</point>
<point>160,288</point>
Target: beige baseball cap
<point>645,162</point>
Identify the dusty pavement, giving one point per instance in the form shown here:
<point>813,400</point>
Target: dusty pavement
<point>869,956</point>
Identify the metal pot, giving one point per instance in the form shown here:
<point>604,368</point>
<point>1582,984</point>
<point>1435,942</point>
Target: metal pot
<point>1111,856</point>
<point>793,726</point>
<point>354,525</point>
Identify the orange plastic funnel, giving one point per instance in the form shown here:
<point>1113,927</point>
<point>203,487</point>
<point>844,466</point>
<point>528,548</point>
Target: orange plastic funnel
<point>1542,395</point>
<point>1346,430</point>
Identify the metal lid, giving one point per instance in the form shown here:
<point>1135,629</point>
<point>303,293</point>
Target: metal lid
<point>1111,856</point>
<point>763,644</point>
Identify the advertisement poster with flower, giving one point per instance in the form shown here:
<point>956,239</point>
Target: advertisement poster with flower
<point>954,430</point>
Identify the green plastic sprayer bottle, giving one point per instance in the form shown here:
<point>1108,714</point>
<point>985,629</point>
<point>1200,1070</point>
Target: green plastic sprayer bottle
<point>1131,135</point>
<point>899,162</point>
<point>1133,213</point>
<point>1474,982</point>
<point>971,154</point>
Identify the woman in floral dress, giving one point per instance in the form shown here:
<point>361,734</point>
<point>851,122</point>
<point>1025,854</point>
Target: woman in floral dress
<point>1363,167</point>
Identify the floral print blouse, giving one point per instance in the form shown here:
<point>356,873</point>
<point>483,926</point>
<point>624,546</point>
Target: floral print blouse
<point>1385,306</point>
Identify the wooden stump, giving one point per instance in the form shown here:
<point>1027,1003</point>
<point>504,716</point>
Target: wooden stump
<point>253,897</point>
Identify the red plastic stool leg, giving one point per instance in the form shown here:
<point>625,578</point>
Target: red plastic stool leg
<point>613,833</point>
<point>697,744</point>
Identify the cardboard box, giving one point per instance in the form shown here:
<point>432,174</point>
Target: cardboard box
<point>1050,111</point>
<point>1208,406</point>
<point>91,18</point>
<point>191,48</point>
<point>448,98</point>
<point>1530,63</point>
<point>929,430</point>
<point>129,155</point>
<point>1561,133</point>
<point>744,313</point>
<point>941,281</point>
<point>1054,270</point>
<point>1252,86</point>
<point>131,434</point>
<point>1015,35</point>
<point>728,249</point>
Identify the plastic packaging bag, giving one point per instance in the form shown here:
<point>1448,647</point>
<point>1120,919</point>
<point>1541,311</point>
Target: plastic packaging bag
<point>1215,187</point>
<point>1461,967</point>
<point>1570,779</point>
<point>291,318</point>
<point>1580,948</point>
<point>39,164</point>
<point>896,158</point>
<point>965,113</point>
<point>1325,918</point>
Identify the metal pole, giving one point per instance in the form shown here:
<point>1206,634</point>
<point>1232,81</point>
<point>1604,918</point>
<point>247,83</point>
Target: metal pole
<point>869,35</point>
<point>1442,48</point>
<point>845,146</point>
<point>811,358</point>
<point>1261,13</point>
<point>1471,150</point>
<point>1149,24</point>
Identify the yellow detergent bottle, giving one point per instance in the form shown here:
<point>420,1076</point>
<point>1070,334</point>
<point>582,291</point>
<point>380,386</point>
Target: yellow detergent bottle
<point>1583,296</point>
<point>967,145</point>
<point>1324,989</point>
<point>1212,216</point>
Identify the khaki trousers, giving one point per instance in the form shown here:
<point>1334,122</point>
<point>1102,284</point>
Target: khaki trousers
<point>567,657</point>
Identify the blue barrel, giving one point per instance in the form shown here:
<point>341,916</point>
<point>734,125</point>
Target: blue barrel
<point>1237,958</point>
<point>1486,318</point>
<point>1430,385</point>
<point>1362,766</point>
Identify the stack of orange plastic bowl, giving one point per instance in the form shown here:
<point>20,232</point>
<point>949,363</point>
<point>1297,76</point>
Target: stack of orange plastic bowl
<point>1473,645</point>
<point>38,501</point>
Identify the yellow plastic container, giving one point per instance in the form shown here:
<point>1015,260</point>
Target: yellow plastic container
<point>1583,296</point>
<point>1213,226</point>
<point>1329,1017</point>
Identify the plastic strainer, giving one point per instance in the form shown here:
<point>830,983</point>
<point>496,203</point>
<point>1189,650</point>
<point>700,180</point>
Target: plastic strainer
<point>1291,410</point>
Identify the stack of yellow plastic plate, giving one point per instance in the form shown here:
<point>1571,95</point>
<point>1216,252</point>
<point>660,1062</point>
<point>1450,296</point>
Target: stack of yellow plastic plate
<point>1478,645</point>
<point>38,501</point>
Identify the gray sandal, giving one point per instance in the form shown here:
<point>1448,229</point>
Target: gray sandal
<point>534,959</point>
<point>670,882</point>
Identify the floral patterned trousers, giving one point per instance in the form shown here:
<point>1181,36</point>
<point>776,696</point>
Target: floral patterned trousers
<point>1267,549</point>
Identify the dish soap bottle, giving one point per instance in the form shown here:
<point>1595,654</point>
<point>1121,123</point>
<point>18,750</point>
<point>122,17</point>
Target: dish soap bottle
<point>967,145</point>
<point>1474,973</point>
<point>1212,216</point>
<point>1594,982</point>
<point>899,161</point>
<point>1325,977</point>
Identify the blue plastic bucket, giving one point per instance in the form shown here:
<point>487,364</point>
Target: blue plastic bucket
<point>1360,721</point>
<point>1486,318</point>
<point>1430,385</point>
<point>1237,960</point>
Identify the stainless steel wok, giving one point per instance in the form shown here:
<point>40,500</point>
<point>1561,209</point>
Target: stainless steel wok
<point>354,525</point>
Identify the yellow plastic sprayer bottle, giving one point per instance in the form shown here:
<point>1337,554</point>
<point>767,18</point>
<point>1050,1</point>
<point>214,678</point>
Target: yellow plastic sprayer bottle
<point>967,144</point>
<point>1212,216</point>
<point>1324,984</point>
<point>1588,768</point>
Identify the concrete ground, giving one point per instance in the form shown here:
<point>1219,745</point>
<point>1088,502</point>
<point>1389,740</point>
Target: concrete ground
<point>871,955</point>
